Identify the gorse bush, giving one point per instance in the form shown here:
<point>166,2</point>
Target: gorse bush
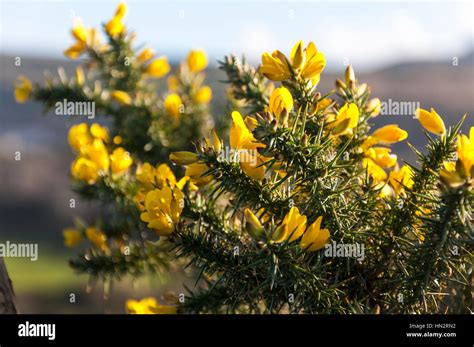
<point>302,207</point>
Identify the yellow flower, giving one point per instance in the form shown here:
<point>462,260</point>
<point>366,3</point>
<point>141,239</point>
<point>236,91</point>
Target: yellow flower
<point>183,158</point>
<point>72,237</point>
<point>314,63</point>
<point>251,123</point>
<point>121,10</point>
<point>164,176</point>
<point>242,138</point>
<point>240,135</point>
<point>85,170</point>
<point>450,176</point>
<point>373,107</point>
<point>96,237</point>
<point>121,97</point>
<point>196,171</point>
<point>23,88</point>
<point>196,60</point>
<point>275,66</point>
<point>158,67</point>
<point>401,179</point>
<point>390,134</point>
<point>214,142</point>
<point>163,209</point>
<point>75,51</point>
<point>280,100</point>
<point>79,32</point>
<point>173,105</point>
<point>381,156</point>
<point>374,170</point>
<point>346,119</point>
<point>252,224</point>
<point>203,95</point>
<point>297,55</point>
<point>315,238</point>
<point>117,140</point>
<point>79,137</point>
<point>465,151</point>
<point>97,152</point>
<point>307,63</point>
<point>148,306</point>
<point>376,159</point>
<point>323,104</point>
<point>83,37</point>
<point>145,55</point>
<point>455,174</point>
<point>368,142</point>
<point>115,26</point>
<point>146,175</point>
<point>431,121</point>
<point>120,160</point>
<point>99,132</point>
<point>292,227</point>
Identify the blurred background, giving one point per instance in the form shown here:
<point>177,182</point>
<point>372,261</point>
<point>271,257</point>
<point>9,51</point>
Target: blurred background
<point>420,52</point>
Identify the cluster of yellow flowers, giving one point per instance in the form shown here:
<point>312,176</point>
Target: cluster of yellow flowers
<point>73,237</point>
<point>160,197</point>
<point>292,228</point>
<point>240,138</point>
<point>187,83</point>
<point>23,88</point>
<point>456,173</point>
<point>304,64</point>
<point>87,39</point>
<point>93,158</point>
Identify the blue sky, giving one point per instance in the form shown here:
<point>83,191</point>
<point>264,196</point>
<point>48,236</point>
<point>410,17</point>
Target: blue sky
<point>367,34</point>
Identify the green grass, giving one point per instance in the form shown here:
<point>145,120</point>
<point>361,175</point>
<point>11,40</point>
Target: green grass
<point>49,273</point>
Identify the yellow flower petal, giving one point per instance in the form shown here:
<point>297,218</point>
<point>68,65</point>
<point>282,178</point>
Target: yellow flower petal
<point>158,68</point>
<point>121,97</point>
<point>390,134</point>
<point>431,121</point>
<point>120,160</point>
<point>23,88</point>
<point>196,60</point>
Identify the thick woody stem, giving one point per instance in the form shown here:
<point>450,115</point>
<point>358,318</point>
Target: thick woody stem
<point>7,296</point>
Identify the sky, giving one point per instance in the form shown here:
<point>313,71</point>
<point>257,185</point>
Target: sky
<point>367,34</point>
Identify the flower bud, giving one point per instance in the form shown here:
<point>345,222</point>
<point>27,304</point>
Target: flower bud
<point>284,119</point>
<point>274,125</point>
<point>374,106</point>
<point>350,75</point>
<point>361,89</point>
<point>184,158</point>
<point>253,225</point>
<point>340,84</point>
